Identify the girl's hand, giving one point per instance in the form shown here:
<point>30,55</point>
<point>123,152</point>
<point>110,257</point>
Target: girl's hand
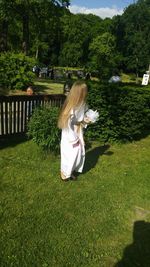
<point>87,120</point>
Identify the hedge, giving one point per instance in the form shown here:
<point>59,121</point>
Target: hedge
<point>124,116</point>
<point>124,111</point>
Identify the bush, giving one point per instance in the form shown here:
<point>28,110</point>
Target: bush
<point>124,111</point>
<point>42,127</point>
<point>16,71</point>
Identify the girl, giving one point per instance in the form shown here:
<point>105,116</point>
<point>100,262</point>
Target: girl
<point>72,119</point>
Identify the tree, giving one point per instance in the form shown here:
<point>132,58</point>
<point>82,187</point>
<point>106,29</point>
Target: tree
<point>23,10</point>
<point>6,16</point>
<point>26,9</point>
<point>77,33</point>
<point>103,54</point>
<point>133,28</point>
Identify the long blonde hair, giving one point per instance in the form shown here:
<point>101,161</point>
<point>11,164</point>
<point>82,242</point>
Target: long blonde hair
<point>75,99</point>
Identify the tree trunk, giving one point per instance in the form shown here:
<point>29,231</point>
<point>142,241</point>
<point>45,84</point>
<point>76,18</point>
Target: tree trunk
<point>137,73</point>
<point>3,37</point>
<point>25,43</point>
<point>37,53</point>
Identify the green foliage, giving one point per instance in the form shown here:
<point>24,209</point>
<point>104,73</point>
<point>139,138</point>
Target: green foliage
<point>103,54</point>
<point>42,127</point>
<point>77,33</point>
<point>132,35</point>
<point>71,55</point>
<point>48,31</point>
<point>16,70</point>
<point>124,111</point>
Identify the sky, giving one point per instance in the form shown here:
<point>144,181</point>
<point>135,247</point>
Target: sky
<point>102,8</point>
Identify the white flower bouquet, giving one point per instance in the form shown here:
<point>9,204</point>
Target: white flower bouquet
<point>92,115</point>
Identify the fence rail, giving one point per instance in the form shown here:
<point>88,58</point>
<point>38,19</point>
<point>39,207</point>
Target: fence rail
<point>15,111</point>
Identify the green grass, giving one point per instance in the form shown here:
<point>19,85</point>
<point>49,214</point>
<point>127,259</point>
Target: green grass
<point>47,86</point>
<point>41,86</point>
<point>90,222</point>
<point>130,78</point>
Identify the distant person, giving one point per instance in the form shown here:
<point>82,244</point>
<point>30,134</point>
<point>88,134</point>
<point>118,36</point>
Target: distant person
<point>47,72</point>
<point>67,86</point>
<point>52,74</point>
<point>115,78</point>
<point>68,83</point>
<point>87,76</point>
<point>36,70</point>
<point>80,74</point>
<point>68,75</point>
<point>30,90</point>
<point>30,104</point>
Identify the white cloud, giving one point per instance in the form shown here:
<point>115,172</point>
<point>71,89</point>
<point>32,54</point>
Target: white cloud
<point>105,12</point>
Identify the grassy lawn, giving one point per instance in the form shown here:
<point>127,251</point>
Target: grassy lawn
<point>42,86</point>
<point>47,86</point>
<point>97,221</point>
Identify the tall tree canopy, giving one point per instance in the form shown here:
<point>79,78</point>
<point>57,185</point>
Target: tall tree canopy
<point>24,11</point>
<point>133,35</point>
<point>46,30</point>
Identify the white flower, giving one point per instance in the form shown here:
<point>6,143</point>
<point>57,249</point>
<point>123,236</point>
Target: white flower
<point>92,115</point>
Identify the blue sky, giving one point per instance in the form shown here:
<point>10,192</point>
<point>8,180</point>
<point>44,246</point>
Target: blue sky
<point>102,8</point>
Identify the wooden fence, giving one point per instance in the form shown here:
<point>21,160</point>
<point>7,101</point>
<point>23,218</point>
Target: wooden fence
<point>15,111</point>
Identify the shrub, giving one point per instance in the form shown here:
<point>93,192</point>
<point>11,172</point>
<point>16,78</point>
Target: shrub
<point>124,111</point>
<point>42,127</point>
<point>16,70</point>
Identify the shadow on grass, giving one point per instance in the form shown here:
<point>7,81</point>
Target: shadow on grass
<point>45,85</point>
<point>93,155</point>
<point>42,89</point>
<point>48,80</point>
<point>138,253</point>
<point>142,136</point>
<point>12,141</point>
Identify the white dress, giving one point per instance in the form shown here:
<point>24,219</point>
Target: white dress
<point>72,158</point>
